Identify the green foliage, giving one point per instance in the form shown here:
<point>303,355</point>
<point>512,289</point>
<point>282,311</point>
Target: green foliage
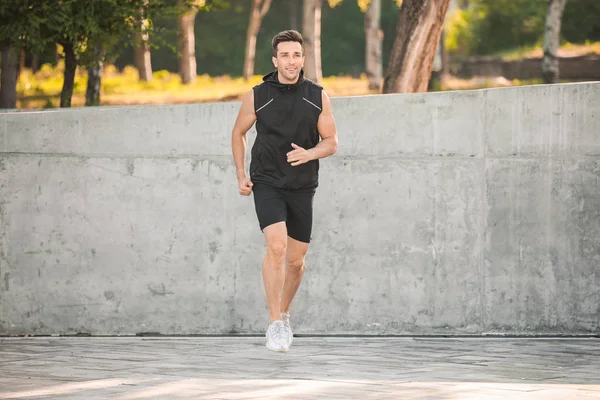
<point>106,22</point>
<point>459,35</point>
<point>343,37</point>
<point>581,21</point>
<point>490,27</point>
<point>22,23</point>
<point>221,34</point>
<point>342,44</point>
<point>486,26</point>
<point>37,24</point>
<point>364,4</point>
<point>89,31</point>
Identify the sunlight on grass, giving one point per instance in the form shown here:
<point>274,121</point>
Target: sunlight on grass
<point>565,50</point>
<point>42,89</point>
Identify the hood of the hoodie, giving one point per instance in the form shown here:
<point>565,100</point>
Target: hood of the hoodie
<point>271,78</point>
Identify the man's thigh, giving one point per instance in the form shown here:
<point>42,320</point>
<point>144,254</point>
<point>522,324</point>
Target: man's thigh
<point>299,216</point>
<point>296,250</point>
<point>270,206</point>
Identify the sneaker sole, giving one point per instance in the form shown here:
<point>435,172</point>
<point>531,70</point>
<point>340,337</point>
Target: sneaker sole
<point>282,350</point>
<point>276,350</point>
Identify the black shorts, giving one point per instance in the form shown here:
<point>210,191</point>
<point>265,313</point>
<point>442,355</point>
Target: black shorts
<point>275,205</point>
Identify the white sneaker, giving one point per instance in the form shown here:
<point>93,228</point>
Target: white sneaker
<point>288,328</point>
<point>277,337</point>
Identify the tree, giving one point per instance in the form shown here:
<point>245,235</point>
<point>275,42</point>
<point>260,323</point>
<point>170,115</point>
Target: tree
<point>86,31</point>
<point>141,50</point>
<point>550,69</point>
<point>8,80</point>
<point>418,32</point>
<point>66,94</point>
<point>374,41</point>
<point>311,32</point>
<point>90,31</point>
<point>92,93</point>
<point>20,24</point>
<point>260,8</point>
<point>187,45</point>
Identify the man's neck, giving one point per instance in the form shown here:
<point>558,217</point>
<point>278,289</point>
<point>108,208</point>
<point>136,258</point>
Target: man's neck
<point>286,82</point>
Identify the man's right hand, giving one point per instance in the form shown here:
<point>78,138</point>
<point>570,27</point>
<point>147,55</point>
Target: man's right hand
<point>245,185</point>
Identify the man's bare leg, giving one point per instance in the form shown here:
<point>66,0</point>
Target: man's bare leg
<point>294,271</point>
<point>273,267</point>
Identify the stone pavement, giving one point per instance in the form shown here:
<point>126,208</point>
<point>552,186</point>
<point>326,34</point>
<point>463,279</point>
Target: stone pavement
<point>315,368</point>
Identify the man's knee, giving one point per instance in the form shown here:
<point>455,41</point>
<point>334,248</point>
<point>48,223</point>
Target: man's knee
<point>296,264</point>
<point>276,250</point>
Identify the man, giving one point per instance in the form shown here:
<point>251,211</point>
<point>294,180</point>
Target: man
<point>295,128</point>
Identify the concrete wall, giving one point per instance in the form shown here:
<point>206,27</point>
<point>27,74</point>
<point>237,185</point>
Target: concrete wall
<point>444,213</point>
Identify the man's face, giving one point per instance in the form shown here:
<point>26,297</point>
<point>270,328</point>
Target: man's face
<point>289,61</point>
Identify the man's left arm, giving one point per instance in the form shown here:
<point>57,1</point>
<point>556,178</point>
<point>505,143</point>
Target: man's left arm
<point>328,132</point>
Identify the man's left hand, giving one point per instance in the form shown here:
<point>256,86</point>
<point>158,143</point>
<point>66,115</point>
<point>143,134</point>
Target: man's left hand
<point>299,155</point>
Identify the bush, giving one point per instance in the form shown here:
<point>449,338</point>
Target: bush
<point>581,21</point>
<point>490,27</point>
<point>459,36</point>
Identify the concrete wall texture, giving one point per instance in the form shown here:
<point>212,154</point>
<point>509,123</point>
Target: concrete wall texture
<point>469,212</point>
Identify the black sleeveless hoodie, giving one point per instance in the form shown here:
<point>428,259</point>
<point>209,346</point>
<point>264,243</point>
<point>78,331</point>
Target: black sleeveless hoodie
<point>285,114</point>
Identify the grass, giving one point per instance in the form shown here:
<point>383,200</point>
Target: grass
<point>536,51</point>
<point>42,88</point>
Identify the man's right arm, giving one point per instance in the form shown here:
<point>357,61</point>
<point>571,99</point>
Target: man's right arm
<point>245,119</point>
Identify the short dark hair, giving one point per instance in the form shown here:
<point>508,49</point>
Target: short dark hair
<point>286,36</point>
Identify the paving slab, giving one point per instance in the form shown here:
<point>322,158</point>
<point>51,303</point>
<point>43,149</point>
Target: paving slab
<point>314,368</point>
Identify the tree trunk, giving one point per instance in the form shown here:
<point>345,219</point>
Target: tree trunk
<point>8,80</point>
<point>92,94</point>
<point>550,70</point>
<point>374,39</point>
<point>22,59</point>
<point>35,63</point>
<point>69,75</point>
<point>260,8</point>
<point>437,72</point>
<point>418,32</point>
<point>187,47</point>
<point>143,59</point>
<point>311,31</point>
<point>444,55</point>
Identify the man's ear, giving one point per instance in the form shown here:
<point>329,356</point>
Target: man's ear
<point>274,61</point>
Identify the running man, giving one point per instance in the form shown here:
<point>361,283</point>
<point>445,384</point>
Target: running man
<point>295,128</point>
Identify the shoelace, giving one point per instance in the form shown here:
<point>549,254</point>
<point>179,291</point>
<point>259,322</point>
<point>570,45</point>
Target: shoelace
<point>278,331</point>
<point>286,325</point>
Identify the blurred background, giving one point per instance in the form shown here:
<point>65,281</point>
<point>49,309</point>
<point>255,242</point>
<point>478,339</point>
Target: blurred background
<point>73,53</point>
